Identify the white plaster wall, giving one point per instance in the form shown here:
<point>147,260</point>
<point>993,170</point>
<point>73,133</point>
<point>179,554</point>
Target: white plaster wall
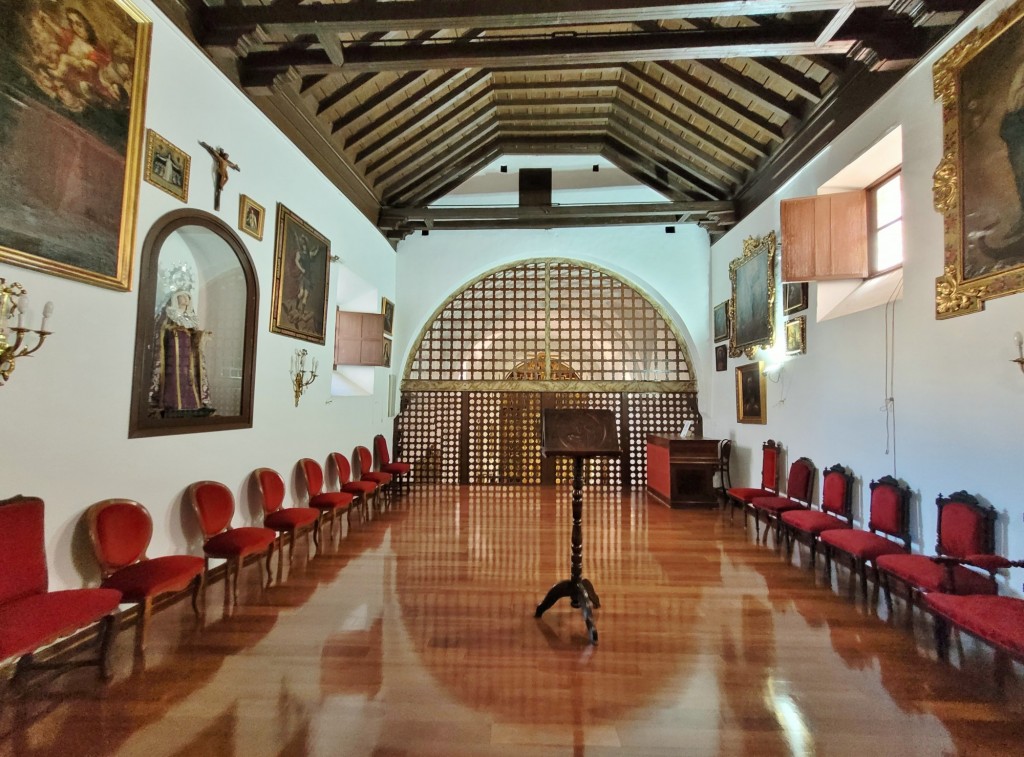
<point>672,269</point>
<point>66,408</point>
<point>959,402</point>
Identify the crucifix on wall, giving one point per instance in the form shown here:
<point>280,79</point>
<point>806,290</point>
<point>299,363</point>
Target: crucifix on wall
<point>221,166</point>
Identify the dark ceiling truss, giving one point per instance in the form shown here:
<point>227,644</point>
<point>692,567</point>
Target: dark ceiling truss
<point>701,100</point>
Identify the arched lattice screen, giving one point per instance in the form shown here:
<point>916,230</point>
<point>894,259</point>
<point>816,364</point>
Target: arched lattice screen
<point>531,336</point>
<point>581,317</point>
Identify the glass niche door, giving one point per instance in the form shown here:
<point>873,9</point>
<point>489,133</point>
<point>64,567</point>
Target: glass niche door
<point>195,344</point>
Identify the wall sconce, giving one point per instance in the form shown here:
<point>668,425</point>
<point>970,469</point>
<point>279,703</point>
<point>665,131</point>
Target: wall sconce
<point>14,299</point>
<point>1019,360</point>
<point>301,378</point>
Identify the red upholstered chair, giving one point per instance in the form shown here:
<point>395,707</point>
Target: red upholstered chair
<point>328,503</point>
<point>121,530</point>
<point>215,507</point>
<point>836,512</point>
<point>799,487</point>
<point>367,473</point>
<point>398,470</point>
<point>285,520</point>
<point>31,616</point>
<point>741,497</point>
<point>966,529</point>
<point>888,521</point>
<point>363,491</point>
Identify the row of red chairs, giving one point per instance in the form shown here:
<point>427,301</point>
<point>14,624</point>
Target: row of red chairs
<point>957,584</point>
<point>121,531</point>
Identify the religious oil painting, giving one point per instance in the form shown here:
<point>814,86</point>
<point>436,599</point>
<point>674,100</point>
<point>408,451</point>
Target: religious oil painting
<point>302,261</point>
<point>979,183</point>
<point>72,98</point>
<point>750,399</point>
<point>720,321</point>
<point>167,166</point>
<point>794,297</point>
<point>752,305</point>
<point>251,216</point>
<point>796,335</point>
<point>387,309</point>
<point>721,357</point>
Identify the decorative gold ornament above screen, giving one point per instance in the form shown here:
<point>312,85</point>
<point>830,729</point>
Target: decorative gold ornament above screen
<point>570,322</point>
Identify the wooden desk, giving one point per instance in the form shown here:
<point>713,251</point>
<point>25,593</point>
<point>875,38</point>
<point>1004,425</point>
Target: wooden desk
<point>680,472</point>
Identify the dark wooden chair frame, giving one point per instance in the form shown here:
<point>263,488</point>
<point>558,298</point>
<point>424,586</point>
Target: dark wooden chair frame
<point>793,534</point>
<point>733,502</point>
<point>773,519</point>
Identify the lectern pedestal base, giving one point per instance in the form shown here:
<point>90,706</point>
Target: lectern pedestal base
<point>581,594</point>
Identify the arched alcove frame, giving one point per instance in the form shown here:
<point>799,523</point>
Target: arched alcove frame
<point>142,422</point>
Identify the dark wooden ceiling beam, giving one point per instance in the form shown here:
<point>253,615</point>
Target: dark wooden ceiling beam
<point>546,103</point>
<point>224,25</point>
<point>451,106</point>
<point>410,101</point>
<point>544,86</point>
<point>464,171</point>
<point>663,164</point>
<point>645,169</point>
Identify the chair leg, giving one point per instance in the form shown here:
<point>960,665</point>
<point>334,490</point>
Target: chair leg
<point>814,553</point>
<point>887,590</point>
<point>145,613</point>
<point>108,631</point>
<point>864,581</point>
<point>270,555</point>
<point>941,631</point>
<point>828,565</point>
<point>199,590</point>
<point>238,572</point>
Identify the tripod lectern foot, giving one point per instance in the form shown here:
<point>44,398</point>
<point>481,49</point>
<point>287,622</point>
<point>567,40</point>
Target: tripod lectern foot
<point>589,588</point>
<point>555,593</point>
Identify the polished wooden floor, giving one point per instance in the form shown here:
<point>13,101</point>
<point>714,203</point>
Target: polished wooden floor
<point>414,635</point>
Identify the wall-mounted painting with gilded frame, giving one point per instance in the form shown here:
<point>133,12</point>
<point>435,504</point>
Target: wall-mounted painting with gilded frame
<point>752,305</point>
<point>979,183</point>
<point>750,393</point>
<point>74,84</point>
<point>302,273</point>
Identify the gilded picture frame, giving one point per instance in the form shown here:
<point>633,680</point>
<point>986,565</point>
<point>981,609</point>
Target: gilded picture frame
<point>62,126</point>
<point>167,166</point>
<point>720,322</point>
<point>979,182</point>
<point>387,309</point>
<point>750,394</point>
<point>302,260</point>
<point>794,297</point>
<point>251,216</point>
<point>796,335</point>
<point>752,304</point>
<point>385,358</point>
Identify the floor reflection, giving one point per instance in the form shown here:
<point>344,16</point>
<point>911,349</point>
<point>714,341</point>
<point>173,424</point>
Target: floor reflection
<point>414,635</point>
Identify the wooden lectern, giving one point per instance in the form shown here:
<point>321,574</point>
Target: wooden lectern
<point>578,434</point>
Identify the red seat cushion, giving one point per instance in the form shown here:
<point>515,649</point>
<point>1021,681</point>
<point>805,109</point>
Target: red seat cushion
<point>747,494</point>
<point>863,545</point>
<point>239,542</point>
<point>776,504</point>
<point>928,575</point>
<point>331,500</point>
<point>812,521</point>
<point>291,518</point>
<point>377,477</point>
<point>359,487</point>
<point>150,578</point>
<point>998,620</point>
<point>396,469</point>
<point>37,619</point>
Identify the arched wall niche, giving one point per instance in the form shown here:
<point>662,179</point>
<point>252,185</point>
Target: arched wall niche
<point>195,335</point>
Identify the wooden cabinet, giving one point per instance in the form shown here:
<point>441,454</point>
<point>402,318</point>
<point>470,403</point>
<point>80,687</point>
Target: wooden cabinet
<point>681,472</point>
<point>358,339</point>
<point>825,237</point>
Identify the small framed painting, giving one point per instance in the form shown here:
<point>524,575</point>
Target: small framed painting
<point>750,393</point>
<point>796,335</point>
<point>167,166</point>
<point>720,321</point>
<point>251,216</point>
<point>387,309</point>
<point>721,357</point>
<point>794,297</point>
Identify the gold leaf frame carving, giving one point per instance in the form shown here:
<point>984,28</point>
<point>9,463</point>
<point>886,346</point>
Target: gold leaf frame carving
<point>975,270</point>
<point>752,316</point>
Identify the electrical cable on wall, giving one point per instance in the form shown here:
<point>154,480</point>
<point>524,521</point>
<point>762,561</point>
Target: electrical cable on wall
<point>889,405</point>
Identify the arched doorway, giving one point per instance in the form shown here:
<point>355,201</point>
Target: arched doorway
<point>537,334</point>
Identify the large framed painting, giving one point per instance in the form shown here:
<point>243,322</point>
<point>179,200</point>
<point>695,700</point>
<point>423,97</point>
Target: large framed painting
<point>979,183</point>
<point>72,100</point>
<point>752,305</point>
<point>750,394</point>
<point>302,261</point>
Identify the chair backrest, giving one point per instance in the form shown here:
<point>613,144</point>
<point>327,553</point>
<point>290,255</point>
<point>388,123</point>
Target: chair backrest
<point>365,460</point>
<point>271,487</point>
<point>313,474</point>
<point>380,445</point>
<point>837,491</point>
<point>800,483</point>
<point>770,466</point>
<point>890,508</point>
<point>342,467</point>
<point>22,548</point>
<point>724,454</point>
<point>214,506</point>
<point>966,527</point>
<point>120,530</point>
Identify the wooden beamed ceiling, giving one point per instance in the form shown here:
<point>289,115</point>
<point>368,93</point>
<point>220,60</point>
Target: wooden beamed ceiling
<point>712,104</point>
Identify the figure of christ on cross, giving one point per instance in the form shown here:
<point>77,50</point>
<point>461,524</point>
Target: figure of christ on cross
<point>220,158</point>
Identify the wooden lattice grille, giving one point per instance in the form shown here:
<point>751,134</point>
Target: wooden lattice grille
<point>580,317</point>
<point>652,413</point>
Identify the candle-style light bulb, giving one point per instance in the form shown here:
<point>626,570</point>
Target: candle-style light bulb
<point>47,312</point>
<point>22,307</point>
